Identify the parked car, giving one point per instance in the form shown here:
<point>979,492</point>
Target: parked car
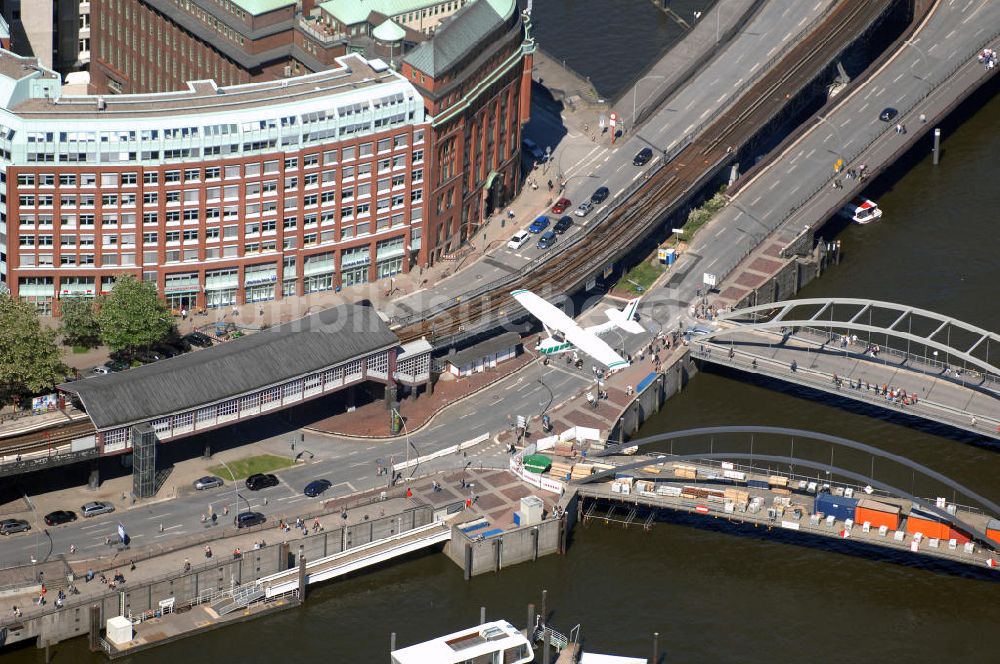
<point>59,517</point>
<point>166,350</point>
<point>148,356</point>
<point>248,519</point>
<point>102,370</point>
<point>116,365</point>
<point>547,240</point>
<point>600,195</point>
<point>539,224</point>
<point>518,240</point>
<point>259,481</point>
<point>316,487</point>
<point>887,114</point>
<point>561,206</point>
<point>583,209</point>
<point>642,157</point>
<point>96,507</point>
<point>199,339</point>
<point>532,149</point>
<point>563,225</point>
<point>208,482</point>
<point>11,526</point>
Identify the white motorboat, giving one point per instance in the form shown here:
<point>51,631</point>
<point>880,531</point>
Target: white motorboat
<point>861,211</point>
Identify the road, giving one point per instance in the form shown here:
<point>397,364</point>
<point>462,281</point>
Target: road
<point>801,178</point>
<point>587,165</point>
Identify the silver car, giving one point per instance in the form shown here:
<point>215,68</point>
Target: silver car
<point>208,482</point>
<point>584,209</point>
<point>97,507</point>
<point>11,526</point>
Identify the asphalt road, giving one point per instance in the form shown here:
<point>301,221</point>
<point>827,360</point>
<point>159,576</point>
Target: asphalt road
<point>587,165</point>
<point>351,466</point>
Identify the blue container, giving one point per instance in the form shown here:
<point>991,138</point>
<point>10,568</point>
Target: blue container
<point>839,507</point>
<point>758,484</point>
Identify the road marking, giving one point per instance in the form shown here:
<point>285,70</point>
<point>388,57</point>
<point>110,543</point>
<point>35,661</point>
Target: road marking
<point>720,232</point>
<point>774,184</point>
<point>617,170</point>
<point>637,176</point>
<point>91,526</point>
<point>845,122</point>
<point>811,153</point>
<point>723,96</point>
<point>755,201</point>
<point>707,111</point>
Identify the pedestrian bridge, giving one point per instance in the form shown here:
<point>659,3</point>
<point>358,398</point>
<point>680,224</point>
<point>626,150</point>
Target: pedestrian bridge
<point>357,558</point>
<point>934,367</point>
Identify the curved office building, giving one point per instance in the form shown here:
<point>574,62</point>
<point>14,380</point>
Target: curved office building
<point>219,196</point>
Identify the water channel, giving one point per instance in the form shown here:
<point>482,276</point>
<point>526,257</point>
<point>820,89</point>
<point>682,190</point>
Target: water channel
<point>715,596</point>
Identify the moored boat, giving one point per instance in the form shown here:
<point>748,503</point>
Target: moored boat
<point>861,211</point>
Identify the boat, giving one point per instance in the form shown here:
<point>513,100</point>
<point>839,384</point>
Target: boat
<point>496,641</point>
<point>861,210</point>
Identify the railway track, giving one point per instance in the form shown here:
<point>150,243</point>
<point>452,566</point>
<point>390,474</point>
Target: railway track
<point>691,166</point>
<point>45,439</point>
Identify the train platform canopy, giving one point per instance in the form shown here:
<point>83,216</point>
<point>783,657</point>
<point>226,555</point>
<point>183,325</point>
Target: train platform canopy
<point>199,378</point>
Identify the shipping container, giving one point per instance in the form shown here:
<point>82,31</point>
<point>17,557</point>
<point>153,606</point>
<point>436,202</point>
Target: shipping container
<point>958,536</point>
<point>840,508</point>
<point>877,514</point>
<point>777,480</point>
<point>734,475</point>
<point>926,523</point>
<point>993,530</point>
<point>758,484</point>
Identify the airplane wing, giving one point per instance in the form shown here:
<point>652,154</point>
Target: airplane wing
<point>553,318</point>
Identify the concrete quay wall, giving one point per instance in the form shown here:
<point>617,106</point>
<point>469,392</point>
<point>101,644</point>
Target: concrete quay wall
<point>207,577</point>
<point>515,546</point>
<point>670,381</point>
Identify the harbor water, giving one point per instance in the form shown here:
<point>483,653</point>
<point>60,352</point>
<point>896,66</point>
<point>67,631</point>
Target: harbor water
<point>713,596</point>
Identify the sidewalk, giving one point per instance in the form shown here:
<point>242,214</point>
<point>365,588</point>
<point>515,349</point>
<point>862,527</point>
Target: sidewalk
<point>373,421</point>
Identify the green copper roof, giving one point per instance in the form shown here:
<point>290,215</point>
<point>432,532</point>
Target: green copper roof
<point>456,37</point>
<point>258,7</point>
<point>350,12</point>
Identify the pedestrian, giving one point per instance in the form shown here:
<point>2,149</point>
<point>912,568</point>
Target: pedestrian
<point>131,565</point>
<point>184,313</point>
<point>208,551</point>
<point>923,118</point>
<point>187,565</point>
<point>225,510</point>
<point>72,548</point>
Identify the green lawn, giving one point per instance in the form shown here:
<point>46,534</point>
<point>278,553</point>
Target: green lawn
<point>244,468</point>
<point>80,349</point>
<point>642,274</point>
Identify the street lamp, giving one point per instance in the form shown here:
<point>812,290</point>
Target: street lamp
<point>406,434</point>
<point>635,91</point>
<point>236,491</point>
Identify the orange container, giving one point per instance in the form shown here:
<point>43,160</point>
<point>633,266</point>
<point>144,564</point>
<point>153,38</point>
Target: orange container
<point>877,514</point>
<point>928,528</point>
<point>993,534</point>
<point>958,536</point>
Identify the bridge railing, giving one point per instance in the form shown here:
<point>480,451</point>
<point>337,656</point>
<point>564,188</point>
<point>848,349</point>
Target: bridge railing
<point>970,58</point>
<point>822,380</point>
<point>938,366</point>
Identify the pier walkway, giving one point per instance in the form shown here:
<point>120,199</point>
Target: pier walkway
<point>357,558</point>
<point>965,400</point>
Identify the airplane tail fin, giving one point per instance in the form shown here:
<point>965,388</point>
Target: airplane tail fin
<point>625,318</point>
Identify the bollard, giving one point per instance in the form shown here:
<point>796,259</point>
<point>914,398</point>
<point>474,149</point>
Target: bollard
<point>302,578</point>
<point>392,646</point>
<point>543,614</point>
<point>482,615</point>
<point>529,630</point>
<point>546,647</point>
<point>937,145</point>
<point>656,647</point>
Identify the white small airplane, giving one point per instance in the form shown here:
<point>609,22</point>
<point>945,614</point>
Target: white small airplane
<point>564,334</point>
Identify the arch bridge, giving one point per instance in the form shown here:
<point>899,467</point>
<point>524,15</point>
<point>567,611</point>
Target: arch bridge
<point>969,520</point>
<point>933,366</point>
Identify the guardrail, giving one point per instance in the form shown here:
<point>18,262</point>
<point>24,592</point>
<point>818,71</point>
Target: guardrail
<point>823,381</point>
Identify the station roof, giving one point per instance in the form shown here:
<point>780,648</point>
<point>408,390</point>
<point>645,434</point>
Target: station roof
<point>244,365</point>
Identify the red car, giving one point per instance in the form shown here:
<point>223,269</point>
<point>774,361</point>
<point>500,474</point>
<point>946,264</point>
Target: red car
<point>561,205</point>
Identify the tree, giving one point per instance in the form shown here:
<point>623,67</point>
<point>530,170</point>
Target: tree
<point>132,316</point>
<point>79,322</point>
<point>29,359</point>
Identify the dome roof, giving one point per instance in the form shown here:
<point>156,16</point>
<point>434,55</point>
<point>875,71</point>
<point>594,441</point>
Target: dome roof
<point>388,32</point>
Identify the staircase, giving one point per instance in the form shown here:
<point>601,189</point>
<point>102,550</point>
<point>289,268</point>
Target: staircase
<point>240,598</point>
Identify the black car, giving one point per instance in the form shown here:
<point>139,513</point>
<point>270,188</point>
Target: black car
<point>166,350</point>
<point>11,526</point>
<point>642,157</point>
<point>887,114</point>
<point>316,487</point>
<point>260,481</point>
<point>601,194</point>
<point>563,225</point>
<point>199,339</point>
<point>59,517</point>
<point>247,519</point>
<point>117,365</point>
